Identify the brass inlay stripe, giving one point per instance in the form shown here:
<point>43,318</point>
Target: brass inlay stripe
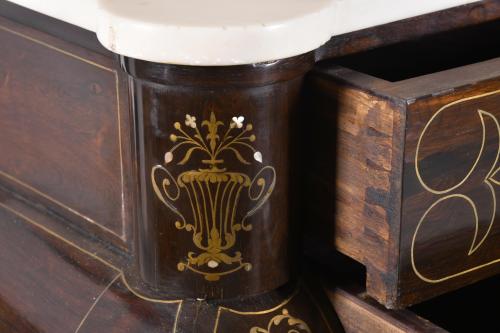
<point>122,176</point>
<point>275,308</point>
<point>95,303</point>
<point>417,169</point>
<point>14,179</point>
<point>414,265</point>
<point>55,48</point>
<point>487,180</point>
<point>94,256</point>
<point>250,313</point>
<point>117,89</point>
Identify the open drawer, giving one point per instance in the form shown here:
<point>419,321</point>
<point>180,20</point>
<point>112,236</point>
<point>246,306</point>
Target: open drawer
<point>409,179</point>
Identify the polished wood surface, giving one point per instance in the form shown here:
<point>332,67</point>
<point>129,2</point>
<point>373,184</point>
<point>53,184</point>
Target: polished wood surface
<point>64,138</point>
<point>215,189</point>
<point>144,197</point>
<point>450,190</point>
<point>55,280</point>
<point>54,27</point>
<point>416,161</point>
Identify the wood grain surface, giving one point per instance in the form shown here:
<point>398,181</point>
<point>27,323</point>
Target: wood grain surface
<point>64,120</point>
<point>112,216</point>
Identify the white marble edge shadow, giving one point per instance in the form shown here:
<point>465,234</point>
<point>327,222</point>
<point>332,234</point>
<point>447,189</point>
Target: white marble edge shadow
<point>226,32</point>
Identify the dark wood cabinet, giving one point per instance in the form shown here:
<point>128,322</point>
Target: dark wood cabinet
<point>146,197</point>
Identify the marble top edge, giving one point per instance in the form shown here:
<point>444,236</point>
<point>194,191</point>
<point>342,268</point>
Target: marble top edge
<point>226,32</point>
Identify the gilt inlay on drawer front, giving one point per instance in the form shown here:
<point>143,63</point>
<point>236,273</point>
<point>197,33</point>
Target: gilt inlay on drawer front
<point>61,121</point>
<point>417,180</point>
<point>451,225</point>
<point>456,164</point>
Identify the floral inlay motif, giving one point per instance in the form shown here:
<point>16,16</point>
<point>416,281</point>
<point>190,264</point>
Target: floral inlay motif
<point>213,192</point>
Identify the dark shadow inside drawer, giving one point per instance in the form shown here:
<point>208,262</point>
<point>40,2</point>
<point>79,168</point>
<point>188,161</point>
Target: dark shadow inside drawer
<point>428,54</point>
<point>471,309</point>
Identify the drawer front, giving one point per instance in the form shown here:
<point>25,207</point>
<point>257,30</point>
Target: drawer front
<point>414,175</point>
<point>450,228</point>
<point>63,129</point>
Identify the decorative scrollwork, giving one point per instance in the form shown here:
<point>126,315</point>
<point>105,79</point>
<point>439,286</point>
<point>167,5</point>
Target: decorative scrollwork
<point>214,193</point>
<point>162,192</point>
<point>453,192</point>
<point>295,325</point>
<point>264,193</point>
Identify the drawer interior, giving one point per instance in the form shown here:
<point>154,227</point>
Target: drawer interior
<point>428,54</point>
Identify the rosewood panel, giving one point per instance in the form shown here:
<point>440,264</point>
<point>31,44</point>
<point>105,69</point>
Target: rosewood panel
<point>450,232</point>
<point>43,288</point>
<point>64,137</point>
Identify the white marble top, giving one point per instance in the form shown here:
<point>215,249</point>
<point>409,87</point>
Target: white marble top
<point>226,32</point>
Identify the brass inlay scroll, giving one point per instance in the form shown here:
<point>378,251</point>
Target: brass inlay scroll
<point>214,193</point>
<point>295,325</point>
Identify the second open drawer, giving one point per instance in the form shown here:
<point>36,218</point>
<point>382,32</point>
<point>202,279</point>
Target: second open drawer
<point>408,141</point>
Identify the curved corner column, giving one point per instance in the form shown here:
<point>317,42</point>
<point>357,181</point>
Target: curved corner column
<point>216,183</point>
<point>213,151</point>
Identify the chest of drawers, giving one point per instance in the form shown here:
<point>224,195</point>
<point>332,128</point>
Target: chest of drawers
<point>163,183</point>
